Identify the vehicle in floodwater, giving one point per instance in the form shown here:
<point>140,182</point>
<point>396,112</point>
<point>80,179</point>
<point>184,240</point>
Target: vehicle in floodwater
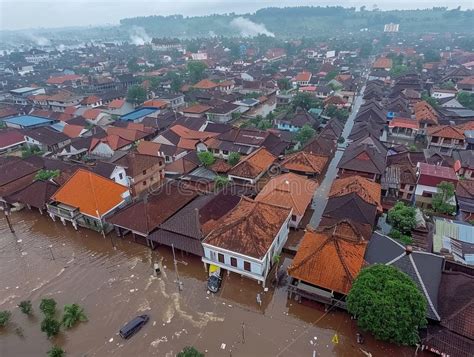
<point>214,280</point>
<point>133,326</point>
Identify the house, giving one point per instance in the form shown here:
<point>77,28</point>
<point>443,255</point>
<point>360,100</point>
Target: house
<point>145,173</point>
<point>293,122</point>
<point>301,79</point>
<point>454,240</point>
<point>139,114</point>
<point>326,264</point>
<point>440,93</point>
<point>423,268</point>
<point>196,110</point>
<point>425,114</point>
<point>112,171</point>
<point>36,195</point>
<point>429,176</point>
<point>15,174</point>
<point>446,138</point>
<point>36,56</point>
<point>382,63</point>
<point>46,139</point>
<point>86,199</point>
<point>205,84</point>
<point>27,122</point>
<point>11,140</point>
<point>248,238</point>
<point>119,107</point>
<point>144,216</point>
<point>465,199</point>
<point>222,113</point>
<point>464,163</point>
<point>187,228</point>
<point>21,95</point>
<point>73,80</point>
<point>466,84</point>
<point>174,100</point>
<point>454,335</point>
<point>404,128</point>
<point>368,190</point>
<point>108,145</point>
<point>251,168</point>
<point>364,160</point>
<point>305,163</point>
<point>289,190</point>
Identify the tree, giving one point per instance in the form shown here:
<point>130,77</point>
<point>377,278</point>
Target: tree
<point>398,70</point>
<point>46,175</point>
<point>196,70</point>
<point>4,317</point>
<point>206,158</point>
<point>331,75</point>
<point>430,100</point>
<point>304,134</point>
<point>50,326</point>
<point>72,315</point>
<point>220,181</point>
<point>132,65</point>
<point>26,307</point>
<point>56,352</point>
<point>387,303</point>
<point>448,85</point>
<point>30,151</point>
<point>284,84</point>
<point>48,307</point>
<point>440,202</point>
<point>305,101</point>
<point>136,94</point>
<point>466,99</point>
<point>366,49</point>
<point>402,217</point>
<point>276,261</point>
<point>234,158</point>
<point>190,352</point>
<point>431,55</point>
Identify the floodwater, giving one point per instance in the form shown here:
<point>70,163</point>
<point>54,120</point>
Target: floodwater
<point>46,259</point>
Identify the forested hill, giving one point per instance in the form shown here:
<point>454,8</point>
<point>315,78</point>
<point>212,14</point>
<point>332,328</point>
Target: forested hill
<point>306,21</point>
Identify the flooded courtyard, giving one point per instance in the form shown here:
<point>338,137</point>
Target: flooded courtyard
<point>113,280</point>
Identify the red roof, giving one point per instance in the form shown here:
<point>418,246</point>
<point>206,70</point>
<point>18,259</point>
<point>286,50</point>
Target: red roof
<point>404,123</point>
<point>116,103</point>
<point>62,79</point>
<point>303,77</point>
<point>10,138</point>
<point>432,175</point>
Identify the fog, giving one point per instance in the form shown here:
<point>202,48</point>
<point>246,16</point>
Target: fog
<point>24,14</point>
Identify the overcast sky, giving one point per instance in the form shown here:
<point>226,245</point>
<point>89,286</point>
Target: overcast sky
<point>23,14</point>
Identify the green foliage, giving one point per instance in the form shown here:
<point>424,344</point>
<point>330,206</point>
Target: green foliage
<point>431,55</point>
<point>132,65</point>
<point>387,303</point>
<point>305,101</point>
<point>72,315</point>
<point>402,218</point>
<point>440,199</point>
<point>398,70</point>
<point>403,238</point>
<point>334,112</point>
<point>50,326</point>
<point>206,158</point>
<point>28,151</point>
<point>136,94</point>
<point>56,352</point>
<point>26,307</point>
<point>304,134</point>
<point>284,84</point>
<point>48,307</point>
<point>220,181</point>
<point>46,175</point>
<point>190,352</point>
<point>430,100</point>
<point>466,99</point>
<point>331,75</point>
<point>234,158</point>
<point>366,49</point>
<point>196,70</point>
<point>341,140</point>
<point>4,317</point>
<point>448,85</point>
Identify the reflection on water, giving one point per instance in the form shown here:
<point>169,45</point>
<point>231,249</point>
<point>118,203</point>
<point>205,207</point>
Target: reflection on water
<point>47,259</point>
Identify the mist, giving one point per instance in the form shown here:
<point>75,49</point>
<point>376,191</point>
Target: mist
<point>249,28</point>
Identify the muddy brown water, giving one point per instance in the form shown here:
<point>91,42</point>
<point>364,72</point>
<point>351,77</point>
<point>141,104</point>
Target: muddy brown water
<point>46,259</point>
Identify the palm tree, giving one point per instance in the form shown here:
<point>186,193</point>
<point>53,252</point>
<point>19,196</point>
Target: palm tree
<point>276,261</point>
<point>73,314</point>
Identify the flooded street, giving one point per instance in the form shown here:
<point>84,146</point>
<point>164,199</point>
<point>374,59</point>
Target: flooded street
<point>46,259</point>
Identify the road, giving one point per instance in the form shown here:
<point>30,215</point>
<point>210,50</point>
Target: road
<point>321,195</point>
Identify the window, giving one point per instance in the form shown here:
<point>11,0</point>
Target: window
<point>213,255</point>
<point>151,178</point>
<point>233,261</point>
<point>144,172</point>
<point>144,183</point>
<point>220,258</point>
<point>247,266</point>
<point>120,176</point>
<point>225,152</point>
<point>160,163</point>
<point>293,217</point>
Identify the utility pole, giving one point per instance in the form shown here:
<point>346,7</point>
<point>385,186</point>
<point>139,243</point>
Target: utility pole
<point>51,251</point>
<point>243,333</point>
<point>7,216</point>
<point>178,281</point>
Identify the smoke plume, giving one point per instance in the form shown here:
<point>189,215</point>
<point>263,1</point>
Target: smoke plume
<point>138,36</point>
<point>249,28</point>
<point>38,40</point>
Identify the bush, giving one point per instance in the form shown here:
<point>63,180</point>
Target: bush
<point>387,303</point>
<point>45,175</point>
<point>4,317</point>
<point>402,217</point>
<point>56,352</point>
<point>206,158</point>
<point>190,352</point>
<point>50,326</point>
<point>48,307</point>
<point>26,307</point>
<point>403,238</point>
<point>72,315</point>
<point>234,158</point>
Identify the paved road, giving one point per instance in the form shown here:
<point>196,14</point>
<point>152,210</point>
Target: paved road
<point>321,194</point>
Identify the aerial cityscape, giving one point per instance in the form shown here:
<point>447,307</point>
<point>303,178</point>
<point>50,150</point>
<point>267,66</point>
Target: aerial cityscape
<point>248,179</point>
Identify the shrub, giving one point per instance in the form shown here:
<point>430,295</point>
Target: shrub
<point>4,317</point>
<point>190,352</point>
<point>72,315</point>
<point>50,326</point>
<point>56,352</point>
<point>48,307</point>
<point>26,307</point>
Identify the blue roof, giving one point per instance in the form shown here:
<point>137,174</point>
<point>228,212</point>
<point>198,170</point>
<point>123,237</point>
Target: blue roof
<point>139,113</point>
<point>28,120</point>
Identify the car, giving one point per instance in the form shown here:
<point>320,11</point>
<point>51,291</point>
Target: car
<point>214,280</point>
<point>133,326</point>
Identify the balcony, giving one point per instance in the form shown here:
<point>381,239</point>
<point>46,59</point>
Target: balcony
<point>63,211</point>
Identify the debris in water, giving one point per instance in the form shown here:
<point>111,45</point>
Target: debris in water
<point>222,346</point>
<point>266,289</point>
<point>111,339</point>
<point>154,323</point>
<point>19,241</point>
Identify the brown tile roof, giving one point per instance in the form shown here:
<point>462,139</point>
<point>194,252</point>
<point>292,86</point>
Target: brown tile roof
<point>254,164</point>
<point>205,84</point>
<point>116,103</point>
<point>37,194</point>
<point>383,63</point>
<point>289,190</point>
<point>135,163</point>
<point>249,228</point>
<point>114,141</point>
<point>330,258</point>
<point>425,113</point>
<point>220,166</point>
<point>447,131</point>
<point>148,148</point>
<point>367,190</point>
<point>126,133</point>
<point>196,109</point>
<point>465,188</point>
<point>305,162</point>
<point>94,195</point>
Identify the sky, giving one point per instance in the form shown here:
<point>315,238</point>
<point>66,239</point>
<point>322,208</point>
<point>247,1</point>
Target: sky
<point>27,14</point>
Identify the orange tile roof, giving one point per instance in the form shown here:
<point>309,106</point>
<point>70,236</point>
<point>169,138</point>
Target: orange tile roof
<point>254,164</point>
<point>70,110</point>
<point>186,133</point>
<point>93,194</point>
<point>92,99</point>
<point>126,133</point>
<point>303,77</point>
<point>383,63</point>
<point>62,79</point>
<point>205,84</point>
<point>468,80</point>
<point>289,190</point>
<point>447,131</point>
<point>425,112</point>
<point>116,103</point>
<point>148,148</point>
<point>156,103</point>
<point>305,162</point>
<point>73,131</point>
<point>329,259</point>
<point>196,109</point>
<point>91,114</point>
<point>370,192</point>
<point>404,123</point>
